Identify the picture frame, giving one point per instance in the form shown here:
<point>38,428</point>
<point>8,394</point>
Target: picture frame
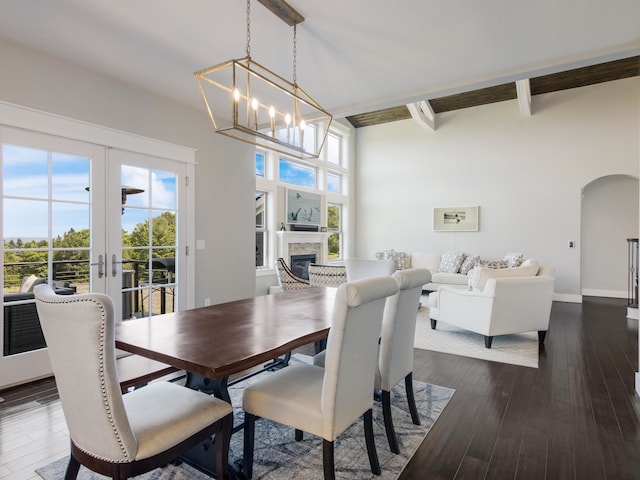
<point>303,208</point>
<point>455,219</point>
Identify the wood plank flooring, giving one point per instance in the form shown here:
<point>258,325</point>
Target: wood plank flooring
<point>575,417</point>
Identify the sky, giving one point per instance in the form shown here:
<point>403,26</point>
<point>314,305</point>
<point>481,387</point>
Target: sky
<point>28,193</point>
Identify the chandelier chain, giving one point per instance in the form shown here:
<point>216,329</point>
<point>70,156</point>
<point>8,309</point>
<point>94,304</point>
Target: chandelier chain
<point>295,76</point>
<point>248,28</point>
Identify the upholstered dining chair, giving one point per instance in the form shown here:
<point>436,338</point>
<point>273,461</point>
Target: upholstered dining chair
<point>395,359</point>
<point>120,436</point>
<point>358,268</point>
<point>327,275</point>
<point>395,354</point>
<point>325,401</point>
<point>288,279</point>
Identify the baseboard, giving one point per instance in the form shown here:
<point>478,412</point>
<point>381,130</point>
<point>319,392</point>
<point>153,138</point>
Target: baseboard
<point>593,292</point>
<point>567,297</point>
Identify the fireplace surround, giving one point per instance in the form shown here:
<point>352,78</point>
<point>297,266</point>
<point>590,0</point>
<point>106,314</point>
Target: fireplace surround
<point>302,243</point>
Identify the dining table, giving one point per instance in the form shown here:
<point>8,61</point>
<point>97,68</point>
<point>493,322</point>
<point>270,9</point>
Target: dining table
<point>216,342</point>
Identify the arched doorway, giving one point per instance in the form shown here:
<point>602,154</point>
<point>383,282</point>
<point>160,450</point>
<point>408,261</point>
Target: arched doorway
<point>609,216</point>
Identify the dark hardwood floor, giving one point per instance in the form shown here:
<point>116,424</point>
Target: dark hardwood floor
<point>575,417</point>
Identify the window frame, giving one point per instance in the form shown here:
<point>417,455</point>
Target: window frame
<point>276,191</point>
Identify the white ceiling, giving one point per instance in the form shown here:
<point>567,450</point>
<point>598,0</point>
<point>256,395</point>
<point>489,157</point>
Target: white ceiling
<point>354,56</point>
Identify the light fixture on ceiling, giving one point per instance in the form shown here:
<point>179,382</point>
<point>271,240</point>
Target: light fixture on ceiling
<point>256,105</point>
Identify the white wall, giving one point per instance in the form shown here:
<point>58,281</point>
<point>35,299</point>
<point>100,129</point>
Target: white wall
<point>525,173</point>
<point>225,174</point>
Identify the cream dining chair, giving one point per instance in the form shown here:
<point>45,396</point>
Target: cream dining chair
<point>116,435</point>
<point>395,353</point>
<point>395,359</point>
<point>325,401</point>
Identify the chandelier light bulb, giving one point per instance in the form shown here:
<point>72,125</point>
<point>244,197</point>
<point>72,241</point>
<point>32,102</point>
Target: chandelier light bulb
<point>254,105</point>
<point>236,98</point>
<point>302,125</point>
<point>272,115</point>
<point>287,120</point>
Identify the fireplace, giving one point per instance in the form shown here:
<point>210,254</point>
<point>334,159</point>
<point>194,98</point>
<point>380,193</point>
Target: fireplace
<point>300,264</point>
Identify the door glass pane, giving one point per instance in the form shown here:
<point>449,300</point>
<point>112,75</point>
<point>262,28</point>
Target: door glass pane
<point>45,217</point>
<point>25,171</point>
<point>149,241</point>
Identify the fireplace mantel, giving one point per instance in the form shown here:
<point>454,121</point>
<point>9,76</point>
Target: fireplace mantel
<point>286,238</point>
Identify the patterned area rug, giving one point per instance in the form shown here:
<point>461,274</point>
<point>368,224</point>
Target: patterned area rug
<point>279,456</point>
<point>518,349</point>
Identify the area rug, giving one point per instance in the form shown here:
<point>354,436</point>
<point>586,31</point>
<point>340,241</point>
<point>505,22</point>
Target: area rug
<point>517,349</point>
<point>279,456</point>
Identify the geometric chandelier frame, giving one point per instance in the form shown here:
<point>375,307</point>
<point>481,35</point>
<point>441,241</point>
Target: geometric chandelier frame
<point>251,103</point>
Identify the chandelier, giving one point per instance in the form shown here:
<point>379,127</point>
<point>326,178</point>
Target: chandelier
<point>251,103</point>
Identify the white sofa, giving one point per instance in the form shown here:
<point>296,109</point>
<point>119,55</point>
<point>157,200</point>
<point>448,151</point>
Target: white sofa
<point>432,262</point>
<point>503,305</point>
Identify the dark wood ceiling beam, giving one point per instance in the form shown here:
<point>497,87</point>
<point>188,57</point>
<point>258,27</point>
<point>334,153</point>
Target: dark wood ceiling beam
<point>283,11</point>
<point>579,77</point>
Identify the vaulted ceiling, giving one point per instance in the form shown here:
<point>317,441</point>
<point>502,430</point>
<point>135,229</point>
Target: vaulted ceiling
<point>578,77</point>
<point>360,59</point>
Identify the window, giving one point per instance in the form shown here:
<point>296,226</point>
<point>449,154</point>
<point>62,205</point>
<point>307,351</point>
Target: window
<point>297,173</point>
<point>333,149</point>
<point>326,177</point>
<point>334,227</point>
<point>260,164</point>
<point>334,183</point>
<point>261,229</point>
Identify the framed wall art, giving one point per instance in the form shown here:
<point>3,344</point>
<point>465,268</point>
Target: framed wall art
<point>455,219</point>
<point>303,208</point>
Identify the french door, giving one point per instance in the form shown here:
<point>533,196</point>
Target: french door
<point>85,218</point>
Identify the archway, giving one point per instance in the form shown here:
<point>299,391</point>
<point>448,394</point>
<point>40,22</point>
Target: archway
<point>609,215</point>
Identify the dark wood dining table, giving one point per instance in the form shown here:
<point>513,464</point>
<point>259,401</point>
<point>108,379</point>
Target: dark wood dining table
<point>218,341</point>
<point>215,342</point>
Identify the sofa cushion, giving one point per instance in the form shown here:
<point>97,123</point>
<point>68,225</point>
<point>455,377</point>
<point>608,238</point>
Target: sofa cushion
<point>449,278</point>
<point>29,282</point>
<point>478,276</point>
<point>451,262</point>
<point>469,263</point>
<point>430,261</point>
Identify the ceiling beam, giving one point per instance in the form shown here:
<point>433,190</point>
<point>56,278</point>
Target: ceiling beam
<point>523,88</point>
<point>284,11</point>
<point>423,114</point>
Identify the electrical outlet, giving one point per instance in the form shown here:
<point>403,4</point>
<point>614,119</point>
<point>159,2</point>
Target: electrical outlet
<point>207,302</point>
<point>572,244</point>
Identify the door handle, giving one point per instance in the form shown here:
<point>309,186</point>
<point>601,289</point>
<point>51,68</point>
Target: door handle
<point>100,266</point>
<point>114,262</point>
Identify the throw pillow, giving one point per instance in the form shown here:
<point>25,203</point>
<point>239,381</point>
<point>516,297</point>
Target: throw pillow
<point>493,263</point>
<point>401,259</point>
<point>469,263</point>
<point>451,262</point>
<point>514,259</point>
